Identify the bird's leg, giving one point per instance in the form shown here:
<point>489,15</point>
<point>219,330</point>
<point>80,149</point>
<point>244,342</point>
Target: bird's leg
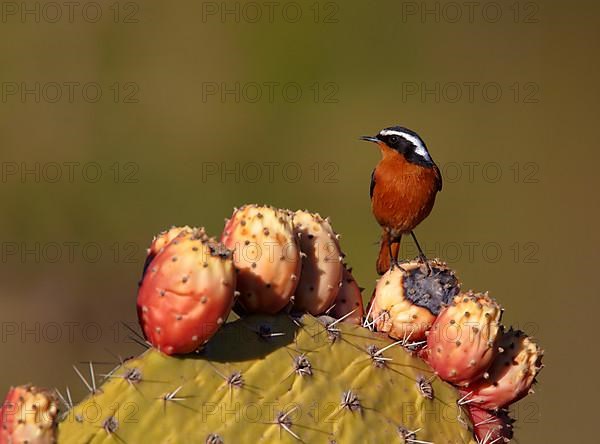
<point>393,262</point>
<point>393,259</point>
<point>422,256</point>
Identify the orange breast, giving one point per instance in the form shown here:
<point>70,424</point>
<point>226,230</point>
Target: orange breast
<point>404,192</point>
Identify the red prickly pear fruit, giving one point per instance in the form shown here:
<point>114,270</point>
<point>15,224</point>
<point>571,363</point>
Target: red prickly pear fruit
<point>266,257</point>
<point>322,263</point>
<point>348,300</point>
<point>491,428</point>
<point>511,374</point>
<point>28,416</point>
<point>186,293</point>
<point>161,240</point>
<point>462,342</point>
<point>408,298</point>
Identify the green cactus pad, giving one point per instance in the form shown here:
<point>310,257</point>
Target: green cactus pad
<point>268,379</point>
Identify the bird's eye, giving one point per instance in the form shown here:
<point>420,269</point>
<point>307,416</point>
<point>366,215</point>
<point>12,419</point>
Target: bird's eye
<point>394,139</point>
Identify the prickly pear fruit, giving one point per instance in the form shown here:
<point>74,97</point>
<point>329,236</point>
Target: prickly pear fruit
<point>408,298</point>
<point>186,293</point>
<point>491,428</point>
<point>322,267</point>
<point>348,300</point>
<point>462,342</point>
<point>266,256</point>
<point>511,374</point>
<point>161,240</point>
<point>268,379</point>
<point>28,416</point>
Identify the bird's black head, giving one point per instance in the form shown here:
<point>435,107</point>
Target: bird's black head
<point>406,142</point>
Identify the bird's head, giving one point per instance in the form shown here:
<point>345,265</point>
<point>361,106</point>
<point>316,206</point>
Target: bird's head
<point>404,141</point>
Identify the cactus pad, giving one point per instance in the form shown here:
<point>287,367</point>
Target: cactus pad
<point>265,379</point>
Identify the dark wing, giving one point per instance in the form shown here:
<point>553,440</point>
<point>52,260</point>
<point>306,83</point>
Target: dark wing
<point>438,177</point>
<point>372,186</point>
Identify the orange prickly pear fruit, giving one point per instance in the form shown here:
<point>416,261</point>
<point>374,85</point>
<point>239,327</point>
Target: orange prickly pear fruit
<point>348,300</point>
<point>463,341</point>
<point>409,297</point>
<point>491,427</point>
<point>28,416</point>
<point>266,257</point>
<point>322,263</point>
<point>511,374</point>
<point>186,293</point>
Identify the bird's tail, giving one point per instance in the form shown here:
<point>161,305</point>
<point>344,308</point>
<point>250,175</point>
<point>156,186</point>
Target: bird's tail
<point>383,260</point>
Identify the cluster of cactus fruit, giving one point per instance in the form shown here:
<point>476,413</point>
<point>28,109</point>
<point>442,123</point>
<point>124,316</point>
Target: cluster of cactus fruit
<point>460,335</point>
<point>427,363</point>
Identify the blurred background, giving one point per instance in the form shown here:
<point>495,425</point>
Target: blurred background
<point>119,119</point>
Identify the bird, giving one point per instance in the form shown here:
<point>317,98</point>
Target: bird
<point>404,185</point>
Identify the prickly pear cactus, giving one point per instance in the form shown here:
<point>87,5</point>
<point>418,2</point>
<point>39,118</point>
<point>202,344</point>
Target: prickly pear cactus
<point>265,379</point>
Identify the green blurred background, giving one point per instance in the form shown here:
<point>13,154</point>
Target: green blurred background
<point>508,105</point>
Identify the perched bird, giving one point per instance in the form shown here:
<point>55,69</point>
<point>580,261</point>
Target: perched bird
<point>403,188</point>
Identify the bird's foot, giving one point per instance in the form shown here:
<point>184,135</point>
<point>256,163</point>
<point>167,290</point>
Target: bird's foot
<point>395,263</point>
<point>422,258</point>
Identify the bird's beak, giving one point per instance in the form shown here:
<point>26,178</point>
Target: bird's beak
<point>370,139</point>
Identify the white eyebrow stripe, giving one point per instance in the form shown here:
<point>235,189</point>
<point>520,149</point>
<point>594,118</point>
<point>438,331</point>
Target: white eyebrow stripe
<point>420,148</point>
